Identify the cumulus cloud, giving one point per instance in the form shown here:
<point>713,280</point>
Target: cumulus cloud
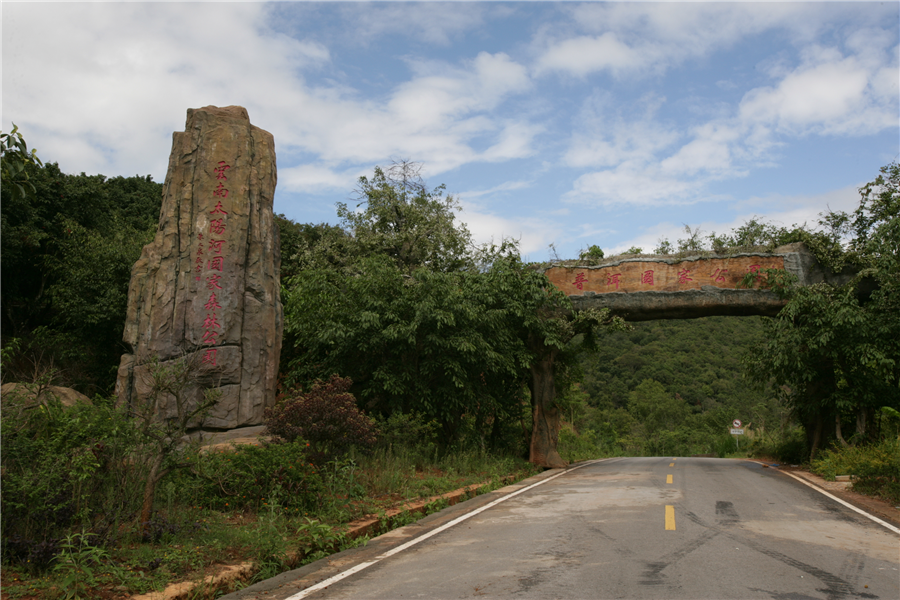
<point>840,96</point>
<point>433,22</point>
<point>634,185</point>
<point>534,234</point>
<point>108,82</point>
<point>582,55</point>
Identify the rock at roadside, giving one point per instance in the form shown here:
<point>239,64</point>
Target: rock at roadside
<point>207,288</point>
<point>29,395</point>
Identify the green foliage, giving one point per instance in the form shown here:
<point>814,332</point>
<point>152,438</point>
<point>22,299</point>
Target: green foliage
<point>587,445</point>
<point>76,564</point>
<point>405,221</point>
<point>634,250</point>
<point>663,246</point>
<point>693,242</point>
<point>68,247</point>
<point>407,431</point>
<point>439,343</point>
<point>875,468</point>
<point>14,157</point>
<point>64,468</point>
<point>326,417</point>
<point>593,253</point>
<point>834,351</point>
<point>250,477</point>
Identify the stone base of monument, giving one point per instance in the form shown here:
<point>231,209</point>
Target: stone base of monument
<point>223,440</point>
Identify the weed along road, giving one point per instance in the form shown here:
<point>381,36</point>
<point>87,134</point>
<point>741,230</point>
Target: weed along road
<point>622,528</point>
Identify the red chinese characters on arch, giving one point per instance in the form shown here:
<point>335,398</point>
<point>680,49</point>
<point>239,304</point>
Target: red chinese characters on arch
<point>660,275</point>
<point>214,265</point>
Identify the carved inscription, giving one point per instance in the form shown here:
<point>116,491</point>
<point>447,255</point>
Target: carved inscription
<point>658,276</point>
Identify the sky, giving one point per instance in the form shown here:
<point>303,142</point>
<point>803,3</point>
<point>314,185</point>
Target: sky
<point>565,123</point>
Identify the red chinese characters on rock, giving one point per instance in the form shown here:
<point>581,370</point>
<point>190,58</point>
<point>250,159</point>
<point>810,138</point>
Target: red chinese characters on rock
<point>613,279</point>
<point>647,277</point>
<point>683,276</point>
<point>579,281</point>
<point>215,265</point>
<point>718,275</point>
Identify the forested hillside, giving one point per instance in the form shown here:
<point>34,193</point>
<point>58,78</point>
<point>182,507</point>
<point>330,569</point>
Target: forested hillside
<point>674,387</point>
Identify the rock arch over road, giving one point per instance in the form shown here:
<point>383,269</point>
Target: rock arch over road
<point>646,288</point>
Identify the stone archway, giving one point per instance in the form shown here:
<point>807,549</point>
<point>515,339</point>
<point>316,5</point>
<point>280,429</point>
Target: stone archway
<point>639,288</point>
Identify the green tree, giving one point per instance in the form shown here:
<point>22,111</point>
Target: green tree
<point>406,221</point>
<point>657,412</point>
<point>835,351</point>
<point>14,158</point>
<point>68,247</point>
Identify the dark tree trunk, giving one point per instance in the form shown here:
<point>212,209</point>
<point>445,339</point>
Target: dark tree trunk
<point>545,431</point>
<point>837,431</point>
<point>149,492</point>
<point>817,436</point>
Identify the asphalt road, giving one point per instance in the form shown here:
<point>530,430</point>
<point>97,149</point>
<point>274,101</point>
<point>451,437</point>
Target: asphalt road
<point>686,528</point>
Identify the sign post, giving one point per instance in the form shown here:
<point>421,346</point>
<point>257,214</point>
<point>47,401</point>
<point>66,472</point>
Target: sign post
<point>736,430</point>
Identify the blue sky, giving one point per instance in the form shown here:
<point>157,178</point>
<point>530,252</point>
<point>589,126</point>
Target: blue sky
<point>559,123</point>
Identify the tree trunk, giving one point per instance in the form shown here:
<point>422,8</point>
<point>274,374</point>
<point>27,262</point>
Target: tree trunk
<point>545,431</point>
<point>149,492</point>
<point>837,431</point>
<point>864,417</point>
<point>817,436</point>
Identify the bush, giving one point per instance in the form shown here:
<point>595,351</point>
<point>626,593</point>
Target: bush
<point>326,417</point>
<point>876,467</point>
<point>574,447</point>
<point>408,431</point>
<point>64,469</point>
<point>248,477</point>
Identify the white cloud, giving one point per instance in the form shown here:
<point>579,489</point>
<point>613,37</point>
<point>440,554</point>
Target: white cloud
<point>607,134</point>
<point>586,54</point>
<point>635,185</point>
<point>709,153</point>
<point>831,98</point>
<point>108,83</point>
<point>120,76</point>
<point>533,233</point>
<point>315,178</point>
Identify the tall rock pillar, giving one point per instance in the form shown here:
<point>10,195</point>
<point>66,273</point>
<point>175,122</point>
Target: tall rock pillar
<point>207,287</point>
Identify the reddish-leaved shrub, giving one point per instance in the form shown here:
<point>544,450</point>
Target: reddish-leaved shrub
<point>326,417</point>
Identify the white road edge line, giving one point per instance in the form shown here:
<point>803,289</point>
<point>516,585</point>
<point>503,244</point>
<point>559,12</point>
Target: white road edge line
<point>344,574</point>
<point>847,504</point>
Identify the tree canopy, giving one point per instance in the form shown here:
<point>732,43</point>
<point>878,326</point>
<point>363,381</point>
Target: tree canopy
<point>835,351</point>
<point>68,246</point>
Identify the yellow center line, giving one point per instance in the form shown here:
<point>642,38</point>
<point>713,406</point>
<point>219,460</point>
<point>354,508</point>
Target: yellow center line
<point>669,478</point>
<point>670,518</point>
<point>674,459</point>
<point>671,464</point>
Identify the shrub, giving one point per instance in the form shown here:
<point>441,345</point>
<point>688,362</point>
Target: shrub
<point>876,467</point>
<point>249,477</point>
<point>409,431</point>
<point>65,469</point>
<point>326,417</point>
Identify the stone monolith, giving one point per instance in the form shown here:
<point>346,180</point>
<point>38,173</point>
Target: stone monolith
<point>207,288</point>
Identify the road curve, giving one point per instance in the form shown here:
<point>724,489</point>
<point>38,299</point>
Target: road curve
<point>690,528</point>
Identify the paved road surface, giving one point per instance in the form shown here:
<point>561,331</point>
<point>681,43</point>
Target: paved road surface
<point>688,528</point>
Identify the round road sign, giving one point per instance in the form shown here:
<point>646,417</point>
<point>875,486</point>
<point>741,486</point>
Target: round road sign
<point>736,423</point>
